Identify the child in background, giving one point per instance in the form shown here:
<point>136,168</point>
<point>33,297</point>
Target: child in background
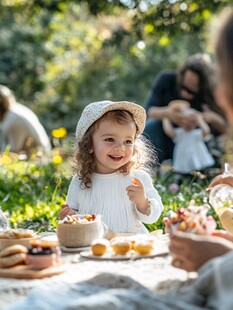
<point>190,151</point>
<point>111,163</point>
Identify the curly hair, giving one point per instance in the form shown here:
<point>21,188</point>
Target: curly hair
<point>201,65</point>
<point>84,163</point>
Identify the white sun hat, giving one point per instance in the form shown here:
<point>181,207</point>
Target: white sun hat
<point>93,111</point>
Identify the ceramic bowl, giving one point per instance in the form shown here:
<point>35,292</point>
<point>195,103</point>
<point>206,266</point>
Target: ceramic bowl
<point>79,234</point>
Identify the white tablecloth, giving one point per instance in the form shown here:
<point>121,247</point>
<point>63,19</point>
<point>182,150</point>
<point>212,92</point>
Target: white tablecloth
<point>154,273</point>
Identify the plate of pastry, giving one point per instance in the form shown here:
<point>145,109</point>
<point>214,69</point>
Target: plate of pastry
<point>126,248</point>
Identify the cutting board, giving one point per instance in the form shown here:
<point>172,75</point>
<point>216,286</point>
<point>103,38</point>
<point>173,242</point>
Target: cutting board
<point>24,272</point>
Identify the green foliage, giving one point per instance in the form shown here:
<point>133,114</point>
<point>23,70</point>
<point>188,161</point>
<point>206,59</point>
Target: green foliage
<point>56,62</point>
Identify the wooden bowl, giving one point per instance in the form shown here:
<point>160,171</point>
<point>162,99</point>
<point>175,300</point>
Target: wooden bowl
<point>21,236</point>
<point>4,243</point>
<point>79,235</point>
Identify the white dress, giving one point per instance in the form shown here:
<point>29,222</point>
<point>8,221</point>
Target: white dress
<point>190,151</point>
<point>20,123</point>
<point>108,196</point>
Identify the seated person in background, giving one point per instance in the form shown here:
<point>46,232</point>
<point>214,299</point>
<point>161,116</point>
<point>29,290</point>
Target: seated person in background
<point>20,127</point>
<point>190,151</point>
<point>189,251</point>
<point>193,83</point>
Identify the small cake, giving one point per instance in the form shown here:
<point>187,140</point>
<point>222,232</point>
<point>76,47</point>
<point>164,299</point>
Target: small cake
<point>43,254</point>
<point>99,247</point>
<point>144,247</point>
<point>121,246</point>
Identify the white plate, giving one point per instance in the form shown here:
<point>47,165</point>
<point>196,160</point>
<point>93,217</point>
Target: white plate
<point>74,250</point>
<point>131,255</point>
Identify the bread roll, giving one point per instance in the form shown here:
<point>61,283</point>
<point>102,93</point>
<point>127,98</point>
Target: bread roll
<point>144,247</point>
<point>99,247</point>
<point>13,249</point>
<point>12,260</point>
<point>121,246</point>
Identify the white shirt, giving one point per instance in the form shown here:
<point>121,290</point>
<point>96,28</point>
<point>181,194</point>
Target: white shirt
<point>190,151</point>
<point>20,123</point>
<point>108,196</point>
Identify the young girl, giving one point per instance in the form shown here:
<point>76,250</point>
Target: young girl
<point>190,151</point>
<point>110,161</point>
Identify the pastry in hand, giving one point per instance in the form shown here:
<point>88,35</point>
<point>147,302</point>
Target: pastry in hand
<point>193,219</point>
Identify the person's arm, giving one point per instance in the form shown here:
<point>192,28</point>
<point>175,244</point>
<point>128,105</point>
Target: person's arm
<point>203,125</point>
<point>168,128</point>
<point>190,252</point>
<point>216,121</point>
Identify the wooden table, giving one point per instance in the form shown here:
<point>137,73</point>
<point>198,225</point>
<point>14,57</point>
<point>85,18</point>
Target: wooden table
<point>154,273</point>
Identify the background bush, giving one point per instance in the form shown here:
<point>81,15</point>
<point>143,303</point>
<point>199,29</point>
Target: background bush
<point>59,55</point>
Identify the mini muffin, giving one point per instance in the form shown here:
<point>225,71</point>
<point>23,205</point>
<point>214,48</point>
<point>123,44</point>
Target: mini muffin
<point>144,247</point>
<point>99,247</point>
<point>121,246</point>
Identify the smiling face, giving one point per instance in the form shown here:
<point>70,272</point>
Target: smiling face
<point>113,143</point>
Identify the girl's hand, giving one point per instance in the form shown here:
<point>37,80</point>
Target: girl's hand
<point>65,211</point>
<point>136,194</point>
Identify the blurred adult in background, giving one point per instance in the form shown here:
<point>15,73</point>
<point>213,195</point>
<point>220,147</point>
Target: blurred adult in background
<point>190,252</point>
<point>20,127</point>
<point>193,82</point>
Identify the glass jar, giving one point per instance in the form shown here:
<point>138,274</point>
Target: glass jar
<point>221,195</point>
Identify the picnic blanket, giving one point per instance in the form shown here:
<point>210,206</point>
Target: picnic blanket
<point>211,290</point>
